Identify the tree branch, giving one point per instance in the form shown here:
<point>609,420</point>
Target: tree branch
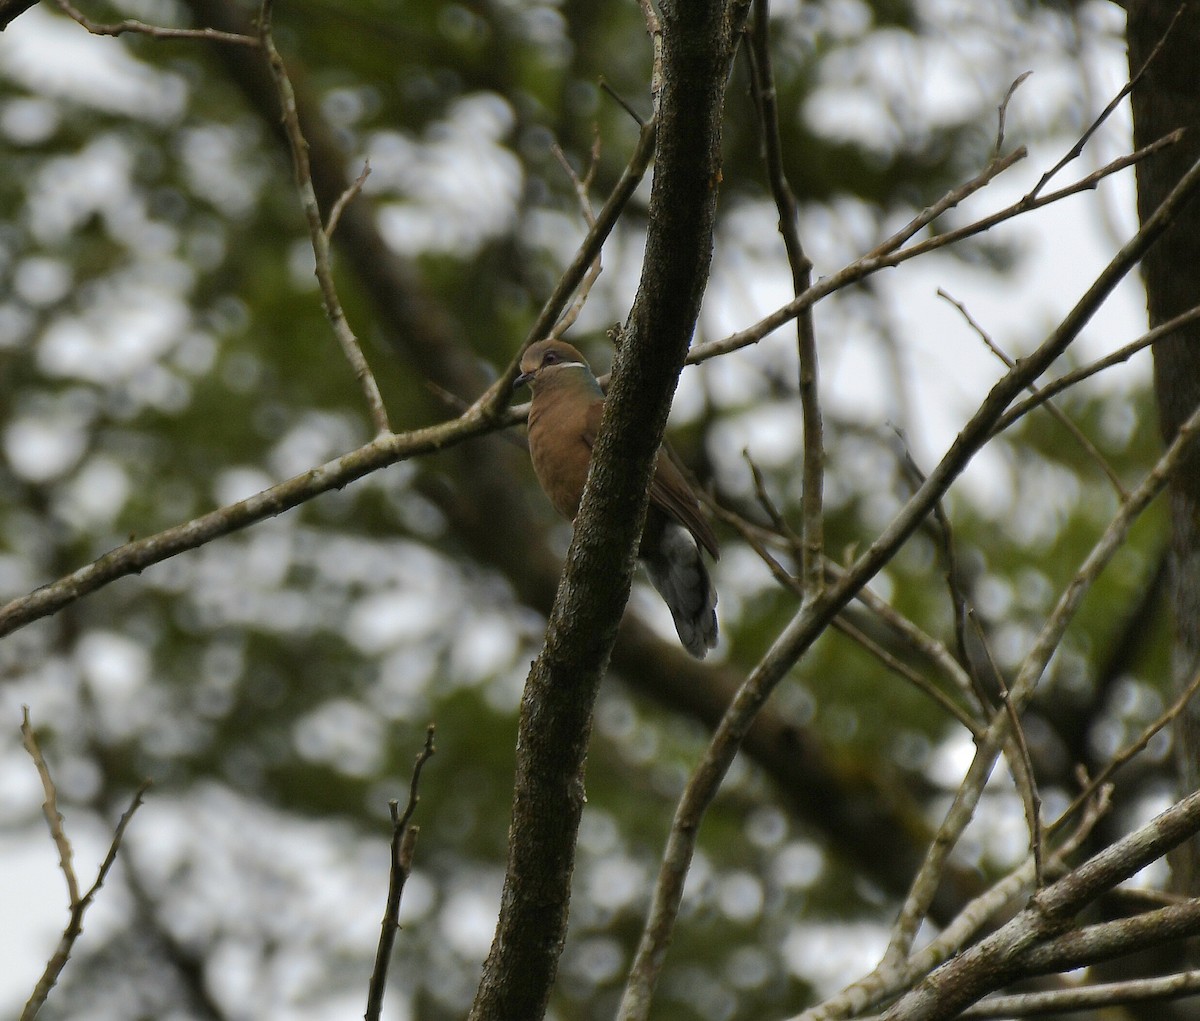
<point>556,709</point>
<point>404,842</point>
<point>317,232</point>
<point>134,557</point>
<point>153,31</point>
<point>812,569</point>
<point>890,253</point>
<point>814,617</point>
<point>1000,957</point>
<point>78,904</point>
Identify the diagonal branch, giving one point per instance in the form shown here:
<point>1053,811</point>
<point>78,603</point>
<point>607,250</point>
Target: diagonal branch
<point>814,617</point>
<point>134,557</point>
<point>996,960</point>
<point>78,903</point>
<point>318,234</point>
<point>890,253</point>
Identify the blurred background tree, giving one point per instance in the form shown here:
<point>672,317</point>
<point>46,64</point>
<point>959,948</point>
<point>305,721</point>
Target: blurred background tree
<point>163,352</point>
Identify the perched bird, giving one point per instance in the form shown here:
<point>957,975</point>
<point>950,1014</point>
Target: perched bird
<point>564,419</point>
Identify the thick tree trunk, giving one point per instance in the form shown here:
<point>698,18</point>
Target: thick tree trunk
<point>1165,98</point>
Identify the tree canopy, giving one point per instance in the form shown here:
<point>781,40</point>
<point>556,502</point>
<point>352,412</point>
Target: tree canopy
<point>260,527</point>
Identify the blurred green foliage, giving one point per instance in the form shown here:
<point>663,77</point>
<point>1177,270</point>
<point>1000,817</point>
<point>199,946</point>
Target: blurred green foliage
<point>163,351</point>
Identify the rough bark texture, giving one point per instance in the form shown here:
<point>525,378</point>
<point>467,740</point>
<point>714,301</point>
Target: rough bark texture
<point>556,710</point>
<point>1168,97</point>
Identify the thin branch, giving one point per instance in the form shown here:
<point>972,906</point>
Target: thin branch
<point>654,30</point>
<point>887,980</point>
<point>1104,996</point>
<point>762,79</point>
<point>753,535</point>
<point>622,102</point>
<point>492,401</point>
<point>50,810</point>
<point>154,31</point>
<point>1116,101</point>
<point>916,679</point>
<point>1002,110</point>
<point>778,521</point>
<point>1021,764</point>
<point>935,652</point>
<point>134,557</point>
<point>955,196</point>
<point>404,842</point>
<point>346,197</point>
<point>944,534</point>
<point>585,207</point>
<point>1122,354</point>
<point>813,618</point>
<point>889,254</point>
<point>78,904</point>
<point>1058,414</point>
<point>1134,748</point>
<point>318,233</point>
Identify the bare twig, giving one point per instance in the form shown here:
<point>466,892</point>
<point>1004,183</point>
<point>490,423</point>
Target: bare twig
<point>1059,415</point>
<point>812,571</point>
<point>78,904</point>
<point>1124,91</point>
<point>154,31</point>
<point>1105,996</point>
<point>997,166</point>
<point>345,198</point>
<point>318,233</point>
<point>1021,765</point>
<point>654,30</point>
<point>935,652</point>
<point>914,677</point>
<point>582,187</point>
<point>622,102</point>
<point>136,556</point>
<point>491,402</point>
<point>889,253</point>
<point>1002,109</point>
<point>404,841</point>
<point>1122,354</point>
<point>782,528</point>
<point>50,810</point>
<point>1134,748</point>
<point>944,534</point>
<point>814,617</point>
